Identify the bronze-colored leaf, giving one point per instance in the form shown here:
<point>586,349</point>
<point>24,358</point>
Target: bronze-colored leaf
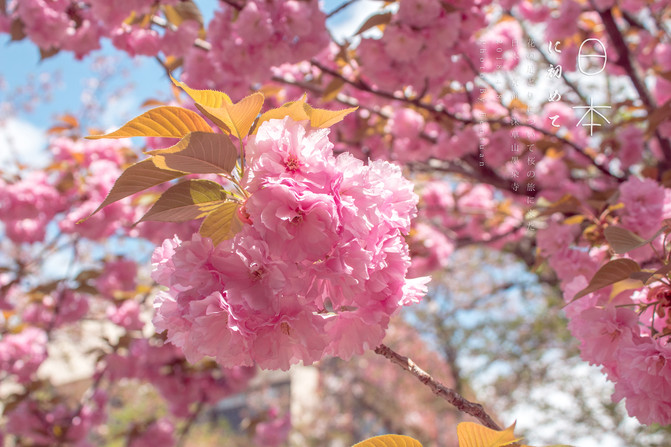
<point>198,153</point>
<point>610,273</point>
<point>567,204</point>
<point>17,30</point>
<point>623,240</point>
<point>50,52</point>
<point>184,10</point>
<point>376,20</point>
<point>332,89</point>
<point>646,276</point>
<point>136,178</point>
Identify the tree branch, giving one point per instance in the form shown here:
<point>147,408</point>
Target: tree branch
<point>459,402</point>
<point>624,59</point>
<point>440,110</point>
<point>184,433</point>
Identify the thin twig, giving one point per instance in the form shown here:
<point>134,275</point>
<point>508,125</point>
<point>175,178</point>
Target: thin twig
<point>340,8</point>
<point>189,423</point>
<point>440,110</point>
<point>458,401</point>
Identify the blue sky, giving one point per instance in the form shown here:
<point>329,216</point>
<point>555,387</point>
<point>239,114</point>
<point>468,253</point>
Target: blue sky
<point>22,60</point>
<point>129,84</point>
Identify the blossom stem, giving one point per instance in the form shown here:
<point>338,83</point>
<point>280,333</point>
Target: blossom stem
<point>457,400</point>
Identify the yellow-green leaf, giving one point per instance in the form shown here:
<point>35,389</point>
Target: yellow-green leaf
<point>622,240</point>
<point>198,153</point>
<point>625,284</point>
<point>610,273</point>
<point>222,223</point>
<point>164,121</point>
<point>187,200</point>
<point>471,434</point>
<point>208,98</point>
<point>573,220</point>
<point>294,110</point>
<point>235,118</point>
<point>326,118</point>
<point>136,178</point>
<point>389,441</point>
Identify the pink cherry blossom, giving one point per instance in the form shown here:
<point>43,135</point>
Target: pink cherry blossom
<point>159,432</point>
<point>319,263</point>
<point>645,381</point>
<point>21,354</point>
<point>643,205</point>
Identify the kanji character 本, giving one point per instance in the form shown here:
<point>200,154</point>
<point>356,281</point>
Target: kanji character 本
<point>591,110</point>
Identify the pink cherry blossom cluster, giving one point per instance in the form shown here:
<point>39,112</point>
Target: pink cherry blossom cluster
<point>78,26</point>
<point>28,205</point>
<point>22,353</point>
<point>80,178</point>
<point>274,431</point>
<point>624,334</point>
<point>179,383</point>
<point>427,37</point>
<point>39,423</point>
<point>160,432</point>
<point>247,42</point>
<point>318,268</point>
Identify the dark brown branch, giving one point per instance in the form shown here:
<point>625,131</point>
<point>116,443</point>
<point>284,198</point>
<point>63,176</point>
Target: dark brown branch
<point>624,59</point>
<point>459,402</point>
<point>184,433</point>
<point>440,110</point>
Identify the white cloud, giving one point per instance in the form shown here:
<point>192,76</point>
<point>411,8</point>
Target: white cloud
<point>22,141</point>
